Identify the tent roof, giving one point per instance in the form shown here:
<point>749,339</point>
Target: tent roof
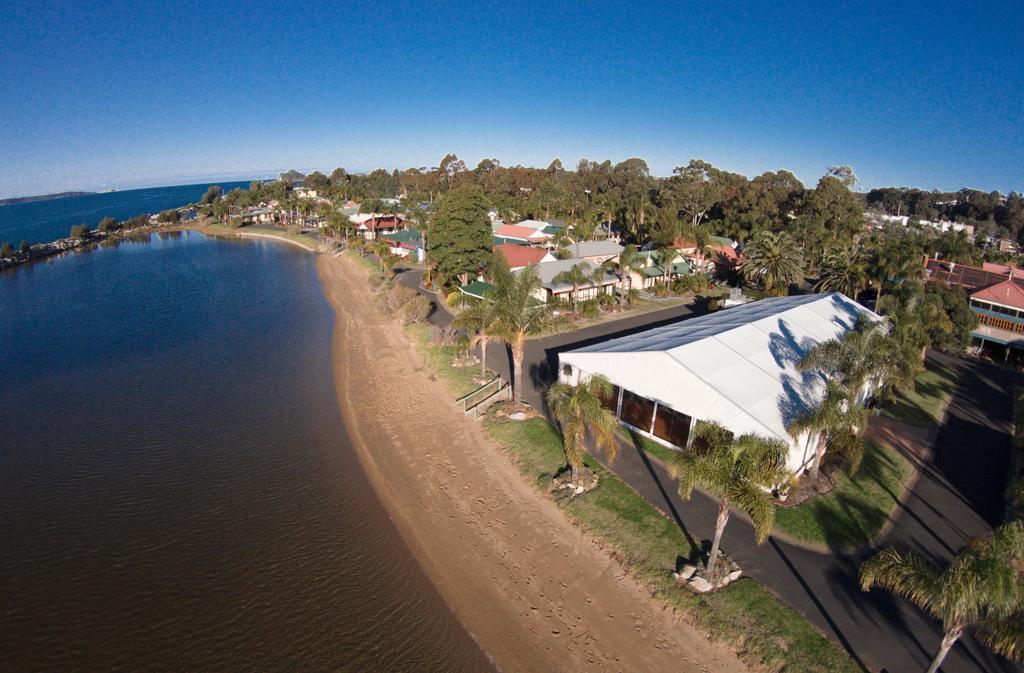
<point>736,366</point>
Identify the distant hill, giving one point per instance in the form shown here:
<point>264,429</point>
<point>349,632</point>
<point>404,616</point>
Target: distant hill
<point>42,197</point>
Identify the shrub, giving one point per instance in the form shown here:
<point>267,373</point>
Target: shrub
<point>454,298</point>
<point>606,299</point>
<point>633,296</point>
<point>79,231</point>
<point>442,336</point>
<point>6,250</point>
<point>399,296</point>
<point>107,225</point>
<point>168,216</point>
<point>416,310</point>
<point>462,344</point>
<point>590,309</point>
<point>375,278</point>
<point>25,247</point>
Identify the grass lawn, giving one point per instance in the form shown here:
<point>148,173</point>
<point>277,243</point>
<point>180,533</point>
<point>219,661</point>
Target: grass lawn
<point>853,513</point>
<point>761,629</point>
<point>921,407</point>
<point>439,360</point>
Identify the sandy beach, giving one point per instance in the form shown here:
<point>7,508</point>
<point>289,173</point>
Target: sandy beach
<point>528,585</point>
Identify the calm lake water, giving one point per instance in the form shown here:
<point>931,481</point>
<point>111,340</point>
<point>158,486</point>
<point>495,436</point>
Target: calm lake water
<point>43,221</point>
<point>176,489</point>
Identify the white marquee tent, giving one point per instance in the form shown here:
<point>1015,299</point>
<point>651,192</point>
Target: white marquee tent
<point>736,367</point>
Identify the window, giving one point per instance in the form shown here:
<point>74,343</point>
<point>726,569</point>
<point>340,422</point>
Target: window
<point>672,426</point>
<point>636,410</point>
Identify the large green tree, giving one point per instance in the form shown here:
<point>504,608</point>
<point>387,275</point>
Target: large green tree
<point>460,235</point>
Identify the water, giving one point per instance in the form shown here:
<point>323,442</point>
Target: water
<point>176,489</point>
<point>44,221</point>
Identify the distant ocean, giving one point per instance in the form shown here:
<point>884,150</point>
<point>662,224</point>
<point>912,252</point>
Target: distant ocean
<point>42,221</point>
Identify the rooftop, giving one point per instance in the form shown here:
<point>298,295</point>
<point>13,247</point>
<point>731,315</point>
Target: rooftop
<point>737,366</point>
<point>594,249</point>
<point>1007,293</point>
<point>520,255</point>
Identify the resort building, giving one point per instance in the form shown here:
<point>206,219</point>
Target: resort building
<point>597,252</point>
<point>554,288</point>
<point>520,256</point>
<point>996,297</point>
<point>1000,311</point>
<point>737,367</point>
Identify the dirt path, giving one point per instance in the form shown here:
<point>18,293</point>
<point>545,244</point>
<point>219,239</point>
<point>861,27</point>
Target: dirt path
<point>527,584</point>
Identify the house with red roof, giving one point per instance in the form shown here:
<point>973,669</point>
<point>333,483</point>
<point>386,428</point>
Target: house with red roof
<point>720,257</point>
<point>372,225</point>
<point>1000,311</point>
<point>520,256</point>
<point>513,233</point>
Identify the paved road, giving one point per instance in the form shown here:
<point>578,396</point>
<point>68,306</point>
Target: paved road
<point>957,496</point>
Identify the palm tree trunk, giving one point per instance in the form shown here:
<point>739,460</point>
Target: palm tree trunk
<point>819,453</point>
<point>483,358</point>
<point>948,641</point>
<point>574,473</point>
<point>723,518</point>
<point>517,373</point>
<point>622,288</point>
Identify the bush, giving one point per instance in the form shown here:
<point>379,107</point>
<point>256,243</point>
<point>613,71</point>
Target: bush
<point>168,216</point>
<point>462,344</point>
<point>6,250</point>
<point>107,225</point>
<point>607,299</point>
<point>399,296</point>
<point>416,310</point>
<point>590,309</point>
<point>79,231</point>
<point>454,298</point>
<point>25,247</point>
<point>375,278</point>
<point>442,336</point>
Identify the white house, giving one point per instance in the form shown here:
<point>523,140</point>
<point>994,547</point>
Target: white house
<point>595,285</point>
<point>736,366</point>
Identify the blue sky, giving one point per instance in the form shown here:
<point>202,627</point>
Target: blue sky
<point>928,95</point>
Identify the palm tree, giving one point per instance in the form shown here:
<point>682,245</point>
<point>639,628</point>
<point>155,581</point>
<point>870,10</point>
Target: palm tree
<point>915,315</point>
<point>980,588</point>
<point>518,315</point>
<point>739,472</point>
<point>842,270</point>
<point>579,412</point>
<point>665,256</point>
<point>630,259</point>
<point>837,422</point>
<point>774,259</point>
<point>577,275</point>
<point>380,247</point>
<point>478,320</point>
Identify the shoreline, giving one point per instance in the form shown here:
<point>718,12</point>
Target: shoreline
<point>525,582</point>
<point>60,246</point>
